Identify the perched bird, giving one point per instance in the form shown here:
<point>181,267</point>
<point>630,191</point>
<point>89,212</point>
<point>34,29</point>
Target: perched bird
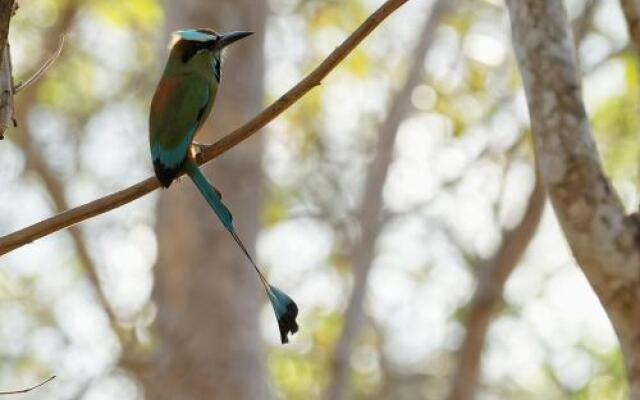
<point>180,105</point>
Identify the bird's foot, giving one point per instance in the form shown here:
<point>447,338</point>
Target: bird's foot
<point>197,150</point>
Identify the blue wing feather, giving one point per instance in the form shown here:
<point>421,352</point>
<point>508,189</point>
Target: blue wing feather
<point>173,158</point>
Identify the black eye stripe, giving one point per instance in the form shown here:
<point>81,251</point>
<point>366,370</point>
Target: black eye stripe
<point>190,48</point>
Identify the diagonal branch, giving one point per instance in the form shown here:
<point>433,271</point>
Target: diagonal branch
<point>42,70</point>
<point>488,295</point>
<point>70,217</point>
<point>27,390</point>
<point>584,22</point>
<point>363,252</point>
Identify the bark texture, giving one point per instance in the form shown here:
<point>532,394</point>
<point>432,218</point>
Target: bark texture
<point>7,8</point>
<point>603,239</point>
<point>209,342</point>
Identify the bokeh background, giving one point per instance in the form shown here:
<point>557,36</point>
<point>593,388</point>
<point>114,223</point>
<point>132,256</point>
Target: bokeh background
<point>391,202</point>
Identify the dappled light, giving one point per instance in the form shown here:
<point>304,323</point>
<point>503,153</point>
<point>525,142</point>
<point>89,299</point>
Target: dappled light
<point>388,168</point>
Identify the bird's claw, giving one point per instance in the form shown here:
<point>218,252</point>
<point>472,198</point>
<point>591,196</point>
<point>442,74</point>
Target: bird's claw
<point>197,150</point>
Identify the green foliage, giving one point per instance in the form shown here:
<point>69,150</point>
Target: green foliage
<point>339,14</point>
<point>303,375</point>
<point>616,126</point>
<point>325,174</point>
<point>274,210</point>
<point>141,14</point>
<point>609,382</point>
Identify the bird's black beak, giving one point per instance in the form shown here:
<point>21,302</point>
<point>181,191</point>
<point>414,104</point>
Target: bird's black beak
<point>230,37</point>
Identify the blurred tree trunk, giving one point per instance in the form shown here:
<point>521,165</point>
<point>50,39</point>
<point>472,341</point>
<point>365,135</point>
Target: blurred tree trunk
<point>209,343</point>
<point>371,209</point>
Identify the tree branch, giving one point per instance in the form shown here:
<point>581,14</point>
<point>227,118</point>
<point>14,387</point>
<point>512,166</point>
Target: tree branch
<point>43,68</point>
<point>70,217</point>
<point>7,9</point>
<point>27,390</point>
<point>584,22</point>
<point>488,294</point>
<point>603,239</point>
<point>363,252</point>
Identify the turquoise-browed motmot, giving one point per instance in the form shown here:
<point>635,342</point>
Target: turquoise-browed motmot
<point>180,105</point>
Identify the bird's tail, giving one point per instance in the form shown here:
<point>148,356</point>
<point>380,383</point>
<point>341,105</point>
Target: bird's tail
<point>284,307</point>
<point>210,194</point>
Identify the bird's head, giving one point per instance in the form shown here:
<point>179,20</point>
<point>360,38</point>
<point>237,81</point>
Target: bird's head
<point>189,42</point>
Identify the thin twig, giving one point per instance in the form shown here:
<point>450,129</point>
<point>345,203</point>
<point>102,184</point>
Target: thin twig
<point>27,390</point>
<point>63,220</point>
<point>584,22</point>
<point>41,71</point>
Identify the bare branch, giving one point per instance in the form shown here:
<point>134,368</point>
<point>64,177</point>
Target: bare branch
<point>363,252</point>
<point>27,390</point>
<point>70,217</point>
<point>602,238</point>
<point>43,68</point>
<point>7,119</point>
<point>488,295</point>
<point>7,9</point>
<point>584,22</point>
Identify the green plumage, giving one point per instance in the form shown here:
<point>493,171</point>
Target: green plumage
<point>182,102</point>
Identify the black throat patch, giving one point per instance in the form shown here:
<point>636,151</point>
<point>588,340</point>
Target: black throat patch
<point>216,67</point>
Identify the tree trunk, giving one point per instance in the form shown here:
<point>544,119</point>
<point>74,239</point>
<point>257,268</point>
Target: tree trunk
<point>603,239</point>
<point>209,343</point>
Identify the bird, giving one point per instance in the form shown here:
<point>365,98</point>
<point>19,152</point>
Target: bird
<point>180,105</point>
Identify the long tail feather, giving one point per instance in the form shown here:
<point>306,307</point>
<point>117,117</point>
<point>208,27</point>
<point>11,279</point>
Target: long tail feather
<point>284,307</point>
<point>210,194</point>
